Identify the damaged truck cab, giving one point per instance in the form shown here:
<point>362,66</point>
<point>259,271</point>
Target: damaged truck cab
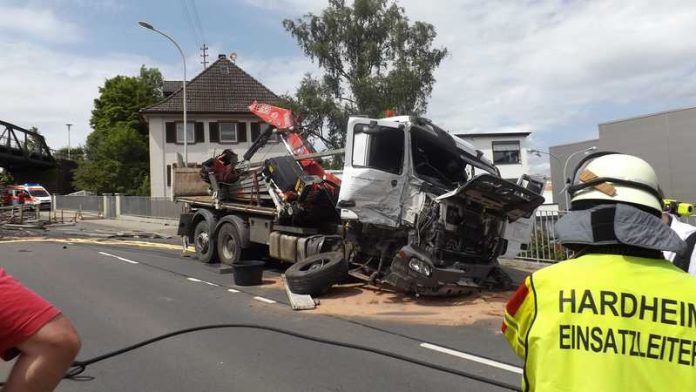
<point>424,211</point>
<point>415,209</point>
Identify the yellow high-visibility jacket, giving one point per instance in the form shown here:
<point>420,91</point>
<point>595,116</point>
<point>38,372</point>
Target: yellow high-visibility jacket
<point>605,323</point>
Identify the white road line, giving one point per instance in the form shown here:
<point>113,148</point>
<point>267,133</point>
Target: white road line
<point>203,281</point>
<point>119,258</point>
<point>233,290</point>
<point>473,358</point>
<point>266,300</point>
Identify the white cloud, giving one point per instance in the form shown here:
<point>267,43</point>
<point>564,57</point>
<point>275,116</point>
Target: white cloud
<point>541,65</point>
<point>36,22</point>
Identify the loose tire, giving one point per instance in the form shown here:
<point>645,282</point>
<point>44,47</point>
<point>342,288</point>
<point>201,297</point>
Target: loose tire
<point>229,247</point>
<point>316,274</point>
<point>204,243</point>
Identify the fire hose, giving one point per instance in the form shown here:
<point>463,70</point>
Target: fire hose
<point>78,367</point>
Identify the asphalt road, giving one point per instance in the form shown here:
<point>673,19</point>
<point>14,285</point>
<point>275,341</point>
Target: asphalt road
<point>141,293</point>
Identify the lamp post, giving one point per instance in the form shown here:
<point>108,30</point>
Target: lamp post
<point>565,176</point>
<point>183,59</point>
<point>69,125</point>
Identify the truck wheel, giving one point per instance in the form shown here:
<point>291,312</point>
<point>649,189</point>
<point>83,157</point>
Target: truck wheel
<point>204,243</point>
<point>229,248</point>
<point>316,274</point>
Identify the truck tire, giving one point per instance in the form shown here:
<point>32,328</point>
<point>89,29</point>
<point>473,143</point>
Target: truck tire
<point>316,274</point>
<point>204,243</point>
<point>229,248</point>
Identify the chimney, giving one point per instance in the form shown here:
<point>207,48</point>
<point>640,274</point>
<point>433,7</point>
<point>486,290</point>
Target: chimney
<point>221,56</point>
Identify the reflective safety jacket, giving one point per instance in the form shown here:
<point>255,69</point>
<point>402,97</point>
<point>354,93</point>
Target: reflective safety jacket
<point>605,323</point>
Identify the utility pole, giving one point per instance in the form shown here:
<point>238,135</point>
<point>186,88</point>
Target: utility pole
<point>69,125</point>
<point>204,56</point>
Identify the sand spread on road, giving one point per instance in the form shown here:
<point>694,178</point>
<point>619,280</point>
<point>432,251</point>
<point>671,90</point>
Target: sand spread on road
<point>359,300</point>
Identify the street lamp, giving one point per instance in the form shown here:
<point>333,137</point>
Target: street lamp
<point>69,125</point>
<point>565,176</point>
<point>538,153</point>
<point>183,59</point>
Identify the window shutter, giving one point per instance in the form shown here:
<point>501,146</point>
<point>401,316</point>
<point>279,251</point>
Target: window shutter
<point>214,132</point>
<point>255,131</point>
<point>241,132</point>
<point>169,175</point>
<point>199,137</point>
<point>170,130</point>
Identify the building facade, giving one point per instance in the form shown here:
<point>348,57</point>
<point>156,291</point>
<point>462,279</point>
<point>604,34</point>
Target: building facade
<point>665,140</point>
<point>218,119</point>
<point>507,150</point>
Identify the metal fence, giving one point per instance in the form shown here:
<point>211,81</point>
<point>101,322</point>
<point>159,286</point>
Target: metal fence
<point>543,245</point>
<point>156,207</point>
<point>80,203</point>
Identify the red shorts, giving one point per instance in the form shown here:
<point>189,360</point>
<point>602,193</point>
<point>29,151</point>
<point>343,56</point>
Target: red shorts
<point>22,314</point>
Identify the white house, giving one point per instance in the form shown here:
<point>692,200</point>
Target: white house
<point>217,103</point>
<point>507,150</point>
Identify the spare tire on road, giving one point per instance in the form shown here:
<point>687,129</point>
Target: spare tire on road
<point>316,274</point>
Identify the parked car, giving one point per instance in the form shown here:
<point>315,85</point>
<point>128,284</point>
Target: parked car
<point>33,194</point>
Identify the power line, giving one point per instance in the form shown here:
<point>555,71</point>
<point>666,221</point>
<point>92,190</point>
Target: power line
<point>189,21</point>
<point>197,19</point>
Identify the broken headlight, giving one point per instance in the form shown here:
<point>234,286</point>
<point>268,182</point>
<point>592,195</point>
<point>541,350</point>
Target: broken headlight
<point>420,266</point>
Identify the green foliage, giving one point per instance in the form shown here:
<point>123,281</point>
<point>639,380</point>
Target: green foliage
<point>6,178</point>
<point>373,58</point>
<point>76,153</point>
<point>116,156</point>
<point>119,163</point>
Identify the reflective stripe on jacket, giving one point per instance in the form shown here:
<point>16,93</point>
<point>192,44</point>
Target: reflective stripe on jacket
<point>605,323</point>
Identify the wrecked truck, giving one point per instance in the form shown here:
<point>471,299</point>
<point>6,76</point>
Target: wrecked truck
<point>414,209</point>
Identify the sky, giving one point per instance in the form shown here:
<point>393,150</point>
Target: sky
<point>555,68</point>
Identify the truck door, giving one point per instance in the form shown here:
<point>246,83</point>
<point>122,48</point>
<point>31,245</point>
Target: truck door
<point>519,233</point>
<point>374,176</point>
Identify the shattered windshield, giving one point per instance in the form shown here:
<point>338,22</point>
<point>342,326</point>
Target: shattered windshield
<point>437,161</point>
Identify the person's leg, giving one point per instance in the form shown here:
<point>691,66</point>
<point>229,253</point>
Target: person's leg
<point>44,358</point>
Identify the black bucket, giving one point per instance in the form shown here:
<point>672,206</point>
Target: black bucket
<point>248,272</point>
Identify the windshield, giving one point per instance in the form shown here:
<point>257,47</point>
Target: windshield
<point>38,193</point>
<point>436,161</point>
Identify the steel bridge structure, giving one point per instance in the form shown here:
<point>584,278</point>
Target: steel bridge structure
<point>22,149</point>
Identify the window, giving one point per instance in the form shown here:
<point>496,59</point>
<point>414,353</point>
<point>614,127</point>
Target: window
<point>434,159</point>
<point>169,175</point>
<point>258,128</point>
<point>228,132</point>
<point>190,134</point>
<point>506,152</point>
<point>381,150</point>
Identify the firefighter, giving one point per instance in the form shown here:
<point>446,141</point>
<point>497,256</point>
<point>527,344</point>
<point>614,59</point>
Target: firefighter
<point>618,316</point>
<point>687,260</point>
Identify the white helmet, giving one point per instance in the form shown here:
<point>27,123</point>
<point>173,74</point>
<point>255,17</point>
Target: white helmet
<point>616,177</point>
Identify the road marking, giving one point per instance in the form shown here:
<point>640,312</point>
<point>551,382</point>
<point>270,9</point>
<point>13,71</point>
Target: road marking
<point>266,300</point>
<point>203,281</point>
<point>119,257</point>
<point>73,241</point>
<point>233,290</point>
<point>473,358</point>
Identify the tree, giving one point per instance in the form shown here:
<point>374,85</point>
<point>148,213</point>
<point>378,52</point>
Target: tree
<point>373,59</point>
<point>116,155</point>
<point>119,163</point>
<point>76,153</point>
<point>5,177</point>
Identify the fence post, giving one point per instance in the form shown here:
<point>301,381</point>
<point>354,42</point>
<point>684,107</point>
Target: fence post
<point>106,210</point>
<point>118,205</point>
